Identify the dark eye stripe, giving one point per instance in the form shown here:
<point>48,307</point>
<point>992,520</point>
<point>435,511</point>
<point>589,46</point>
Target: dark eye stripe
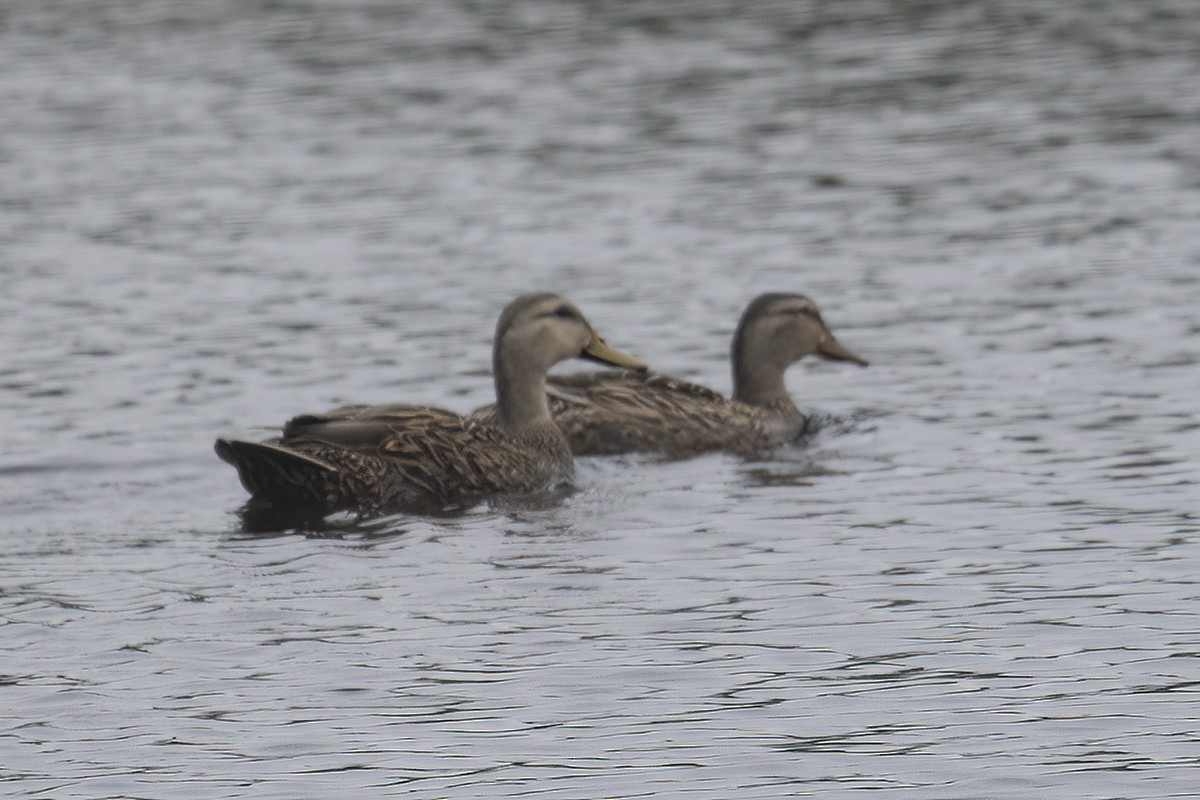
<point>807,311</point>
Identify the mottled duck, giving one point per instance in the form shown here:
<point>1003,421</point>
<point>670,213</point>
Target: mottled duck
<point>386,459</point>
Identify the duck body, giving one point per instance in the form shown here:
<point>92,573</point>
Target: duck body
<point>397,458</point>
<point>608,413</point>
<point>379,459</point>
<point>646,412</point>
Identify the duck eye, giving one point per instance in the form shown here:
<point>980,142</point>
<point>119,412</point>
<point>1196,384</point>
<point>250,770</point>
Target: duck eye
<point>564,312</point>
<point>806,311</point>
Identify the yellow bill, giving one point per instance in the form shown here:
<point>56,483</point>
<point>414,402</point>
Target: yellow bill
<point>598,350</point>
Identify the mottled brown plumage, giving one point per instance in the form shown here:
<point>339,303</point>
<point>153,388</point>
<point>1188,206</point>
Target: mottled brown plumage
<point>375,459</point>
<point>604,413</point>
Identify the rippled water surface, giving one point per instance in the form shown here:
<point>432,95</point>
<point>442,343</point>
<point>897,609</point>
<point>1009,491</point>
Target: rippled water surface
<point>981,582</point>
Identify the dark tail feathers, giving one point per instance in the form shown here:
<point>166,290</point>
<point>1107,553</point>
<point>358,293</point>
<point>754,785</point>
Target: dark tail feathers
<point>278,474</point>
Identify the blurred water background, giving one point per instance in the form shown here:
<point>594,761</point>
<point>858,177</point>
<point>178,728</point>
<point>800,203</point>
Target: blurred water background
<point>981,584</point>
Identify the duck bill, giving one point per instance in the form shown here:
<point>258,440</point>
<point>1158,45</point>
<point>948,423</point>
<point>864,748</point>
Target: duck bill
<point>832,349</point>
<point>598,350</point>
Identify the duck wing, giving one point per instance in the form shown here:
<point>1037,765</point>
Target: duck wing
<point>391,458</point>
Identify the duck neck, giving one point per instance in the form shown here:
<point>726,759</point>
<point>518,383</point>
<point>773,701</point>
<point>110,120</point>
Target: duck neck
<point>521,394</point>
<point>759,381</point>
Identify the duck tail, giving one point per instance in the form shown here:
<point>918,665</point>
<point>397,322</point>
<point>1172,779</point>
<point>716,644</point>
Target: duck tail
<point>273,472</point>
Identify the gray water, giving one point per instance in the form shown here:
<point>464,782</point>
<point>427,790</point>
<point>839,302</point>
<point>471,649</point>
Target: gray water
<point>980,582</point>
